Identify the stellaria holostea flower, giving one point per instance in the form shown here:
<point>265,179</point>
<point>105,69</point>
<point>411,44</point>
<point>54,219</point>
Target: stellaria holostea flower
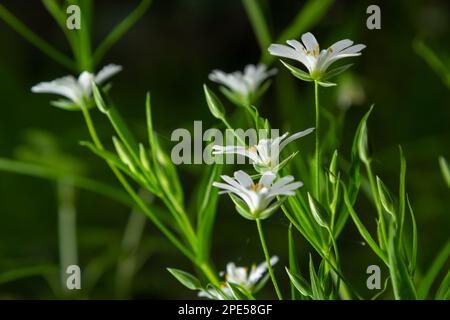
<point>76,90</point>
<point>254,200</point>
<point>315,60</point>
<point>250,280</point>
<point>264,155</point>
<point>243,88</point>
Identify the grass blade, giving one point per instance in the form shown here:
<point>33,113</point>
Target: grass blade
<point>258,22</point>
<point>433,272</point>
<point>120,30</point>
<point>401,279</point>
<point>35,40</point>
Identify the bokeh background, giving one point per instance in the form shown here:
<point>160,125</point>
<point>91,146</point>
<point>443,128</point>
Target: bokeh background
<point>170,51</point>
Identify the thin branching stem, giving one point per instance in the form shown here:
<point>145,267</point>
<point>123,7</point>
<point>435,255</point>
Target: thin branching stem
<point>267,256</point>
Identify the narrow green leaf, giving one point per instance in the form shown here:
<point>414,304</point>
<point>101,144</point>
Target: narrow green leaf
<point>445,169</point>
<point>443,292</point>
<point>299,283</point>
<point>120,30</point>
<point>336,71</point>
<point>186,279</point>
<point>239,292</point>
<point>362,229</point>
<point>401,279</point>
<point>435,62</point>
<point>413,255</point>
<point>298,73</point>
<point>402,192</point>
<point>432,273</point>
<point>258,21</point>
<point>316,288</point>
<point>40,171</point>
<point>35,40</point>
<point>214,104</point>
<point>293,263</point>
<point>207,205</point>
<point>319,213</point>
<point>385,197</point>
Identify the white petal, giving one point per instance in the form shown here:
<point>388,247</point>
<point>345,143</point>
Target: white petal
<point>282,181</point>
<point>267,179</point>
<point>340,45</point>
<point>281,50</point>
<point>243,178</point>
<point>65,86</point>
<point>226,187</point>
<point>310,42</point>
<point>295,136</point>
<point>287,190</point>
<point>296,45</point>
<point>84,80</point>
<point>353,49</point>
<point>107,72</point>
<point>257,273</point>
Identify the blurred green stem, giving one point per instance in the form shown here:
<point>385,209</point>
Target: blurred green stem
<point>267,256</point>
<point>34,39</point>
<point>67,229</point>
<point>317,151</point>
<point>126,266</point>
<point>256,17</point>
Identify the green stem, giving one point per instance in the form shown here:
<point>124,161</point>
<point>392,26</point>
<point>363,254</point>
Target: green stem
<point>34,39</point>
<point>317,149</point>
<point>227,124</point>
<point>209,273</point>
<point>67,237</point>
<point>267,256</point>
<point>126,266</point>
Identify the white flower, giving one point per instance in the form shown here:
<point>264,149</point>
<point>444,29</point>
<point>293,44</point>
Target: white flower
<point>77,90</point>
<point>253,200</point>
<point>315,60</point>
<point>243,87</point>
<point>249,279</point>
<point>266,153</point>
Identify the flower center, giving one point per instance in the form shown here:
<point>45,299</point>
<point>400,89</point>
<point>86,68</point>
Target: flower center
<point>257,186</point>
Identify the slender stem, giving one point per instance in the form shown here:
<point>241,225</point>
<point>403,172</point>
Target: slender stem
<point>34,39</point>
<point>267,256</point>
<point>317,151</point>
<point>227,124</point>
<point>209,273</point>
<point>67,229</point>
<point>126,266</point>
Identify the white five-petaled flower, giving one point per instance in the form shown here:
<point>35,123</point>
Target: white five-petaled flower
<point>77,90</point>
<point>244,86</point>
<point>309,54</point>
<point>249,279</point>
<point>264,155</point>
<point>253,200</point>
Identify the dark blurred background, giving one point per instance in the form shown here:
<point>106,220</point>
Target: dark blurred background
<point>170,51</point>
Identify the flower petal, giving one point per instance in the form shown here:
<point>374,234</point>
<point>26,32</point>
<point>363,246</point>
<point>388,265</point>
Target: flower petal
<point>295,136</point>
<point>243,178</point>
<point>107,72</point>
<point>66,86</point>
<point>310,42</point>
